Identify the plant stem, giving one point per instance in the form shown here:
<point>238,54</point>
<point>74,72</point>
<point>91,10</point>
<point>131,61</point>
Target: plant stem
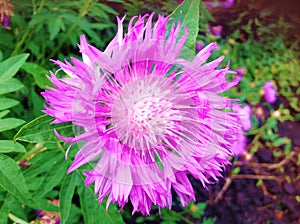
<point>38,147</point>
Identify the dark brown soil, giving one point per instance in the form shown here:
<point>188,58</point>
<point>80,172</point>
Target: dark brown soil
<point>242,198</point>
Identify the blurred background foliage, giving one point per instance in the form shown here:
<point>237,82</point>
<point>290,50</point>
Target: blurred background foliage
<point>261,36</point>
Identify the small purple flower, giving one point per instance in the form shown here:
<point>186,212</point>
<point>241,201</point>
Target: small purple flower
<point>216,30</point>
<point>24,163</point>
<point>6,21</point>
<point>239,147</point>
<point>6,9</point>
<point>227,4</point>
<point>270,92</point>
<point>241,71</point>
<point>39,213</point>
<point>222,4</point>
<point>244,115</point>
<point>149,117</point>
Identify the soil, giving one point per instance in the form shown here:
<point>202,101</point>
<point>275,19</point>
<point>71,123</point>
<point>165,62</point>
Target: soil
<point>244,199</point>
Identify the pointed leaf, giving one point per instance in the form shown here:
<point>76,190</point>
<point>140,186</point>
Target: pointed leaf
<point>40,130</point>
<point>3,113</point>
<point>45,205</point>
<point>10,85</point>
<point>9,67</point>
<point>6,103</point>
<point>42,162</point>
<point>188,15</point>
<point>93,211</point>
<point>10,123</point>
<point>4,210</point>
<point>12,179</point>
<point>66,194</point>
<point>52,178</point>
<point>10,146</point>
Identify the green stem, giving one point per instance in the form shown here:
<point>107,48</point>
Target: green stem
<point>41,6</point>
<point>22,41</point>
<point>34,150</point>
<point>34,7</point>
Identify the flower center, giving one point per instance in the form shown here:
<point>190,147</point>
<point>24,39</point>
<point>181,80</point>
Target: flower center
<point>149,115</point>
<point>142,115</point>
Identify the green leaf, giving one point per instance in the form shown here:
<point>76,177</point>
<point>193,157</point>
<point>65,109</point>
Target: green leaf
<point>36,102</point>
<point>66,194</point>
<point>10,85</point>
<point>10,123</point>
<point>197,210</point>
<point>188,15</point>
<point>4,210</point>
<point>40,130</point>
<point>52,178</point>
<point>236,171</point>
<point>54,25</point>
<point>10,146</point>
<point>45,205</point>
<point>42,162</point>
<point>94,212</point>
<point>272,123</point>
<point>12,179</point>
<point>9,67</point>
<point>6,103</point>
<point>38,73</point>
<point>17,208</point>
<point>280,141</point>
<point>3,113</point>
<point>209,221</point>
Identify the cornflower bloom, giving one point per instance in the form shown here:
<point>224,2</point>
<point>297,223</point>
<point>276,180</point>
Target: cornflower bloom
<point>270,92</point>
<point>149,117</point>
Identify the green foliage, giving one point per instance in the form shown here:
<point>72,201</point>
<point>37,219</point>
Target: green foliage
<point>12,179</point>
<point>8,84</point>
<point>93,211</point>
<point>187,13</point>
<point>67,191</point>
<point>40,130</point>
<point>7,146</point>
<point>38,73</point>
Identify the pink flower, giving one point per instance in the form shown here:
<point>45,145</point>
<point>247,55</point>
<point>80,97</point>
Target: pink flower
<point>241,71</point>
<point>239,147</point>
<point>227,4</point>
<point>270,92</point>
<point>244,115</point>
<point>149,117</point>
<point>216,30</point>
<point>222,4</point>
